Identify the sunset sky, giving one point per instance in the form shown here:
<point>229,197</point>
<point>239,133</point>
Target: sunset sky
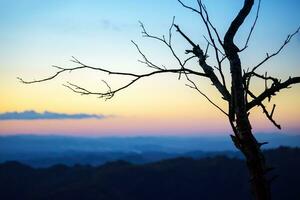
<point>36,34</point>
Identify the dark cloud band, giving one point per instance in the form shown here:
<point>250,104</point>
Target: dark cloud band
<point>32,115</point>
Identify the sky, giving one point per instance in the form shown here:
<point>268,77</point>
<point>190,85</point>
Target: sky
<point>36,34</point>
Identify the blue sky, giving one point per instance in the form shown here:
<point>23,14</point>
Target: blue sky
<point>36,34</point>
<point>34,25</point>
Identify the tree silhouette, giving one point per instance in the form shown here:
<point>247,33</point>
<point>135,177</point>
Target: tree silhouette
<point>238,95</point>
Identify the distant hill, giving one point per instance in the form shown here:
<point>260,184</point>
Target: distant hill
<point>179,178</point>
<point>44,151</point>
<point>169,144</point>
<point>70,158</point>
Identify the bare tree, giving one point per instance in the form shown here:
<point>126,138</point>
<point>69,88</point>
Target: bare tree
<point>240,99</point>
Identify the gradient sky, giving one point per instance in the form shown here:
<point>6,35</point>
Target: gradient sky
<point>36,34</point>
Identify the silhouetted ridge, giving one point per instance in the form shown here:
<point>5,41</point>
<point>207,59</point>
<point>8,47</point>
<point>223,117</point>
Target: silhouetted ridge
<point>212,178</point>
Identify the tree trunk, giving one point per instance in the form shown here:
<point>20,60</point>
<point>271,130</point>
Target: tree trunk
<point>248,145</point>
<point>244,139</point>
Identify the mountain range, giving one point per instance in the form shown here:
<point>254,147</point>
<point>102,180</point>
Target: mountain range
<point>211,178</point>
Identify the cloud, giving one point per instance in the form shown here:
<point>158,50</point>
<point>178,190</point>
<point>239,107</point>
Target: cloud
<point>106,24</point>
<point>32,115</point>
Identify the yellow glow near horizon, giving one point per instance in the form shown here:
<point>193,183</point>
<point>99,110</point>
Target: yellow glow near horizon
<point>156,104</point>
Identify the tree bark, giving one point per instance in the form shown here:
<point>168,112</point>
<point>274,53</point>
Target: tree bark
<point>256,164</point>
<point>244,139</point>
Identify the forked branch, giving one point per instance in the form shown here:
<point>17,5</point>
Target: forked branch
<point>229,45</point>
<point>110,93</point>
<point>252,27</point>
<point>266,112</point>
<point>276,87</point>
<point>208,70</point>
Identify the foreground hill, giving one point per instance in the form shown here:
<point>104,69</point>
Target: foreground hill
<point>180,178</point>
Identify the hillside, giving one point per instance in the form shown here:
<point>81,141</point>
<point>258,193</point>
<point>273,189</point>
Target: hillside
<point>180,178</point>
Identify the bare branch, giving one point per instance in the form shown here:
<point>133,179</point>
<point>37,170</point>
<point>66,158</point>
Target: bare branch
<point>247,78</point>
<point>146,61</point>
<point>229,45</point>
<point>188,59</point>
<point>208,25</point>
<point>83,66</point>
<point>276,87</point>
<point>185,36</point>
<point>219,61</point>
<point>252,27</point>
<point>263,77</point>
<point>170,31</point>
<point>167,43</point>
<point>222,75</point>
<point>207,22</point>
<point>106,95</point>
<point>188,7</point>
<point>194,86</point>
<point>265,111</point>
<point>269,56</point>
<point>222,53</point>
<point>110,93</point>
<point>205,19</point>
<point>198,52</point>
<point>270,116</point>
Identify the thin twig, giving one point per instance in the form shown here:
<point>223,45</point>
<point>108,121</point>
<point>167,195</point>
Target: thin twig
<point>194,86</point>
<point>269,56</point>
<point>265,111</point>
<point>252,27</point>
